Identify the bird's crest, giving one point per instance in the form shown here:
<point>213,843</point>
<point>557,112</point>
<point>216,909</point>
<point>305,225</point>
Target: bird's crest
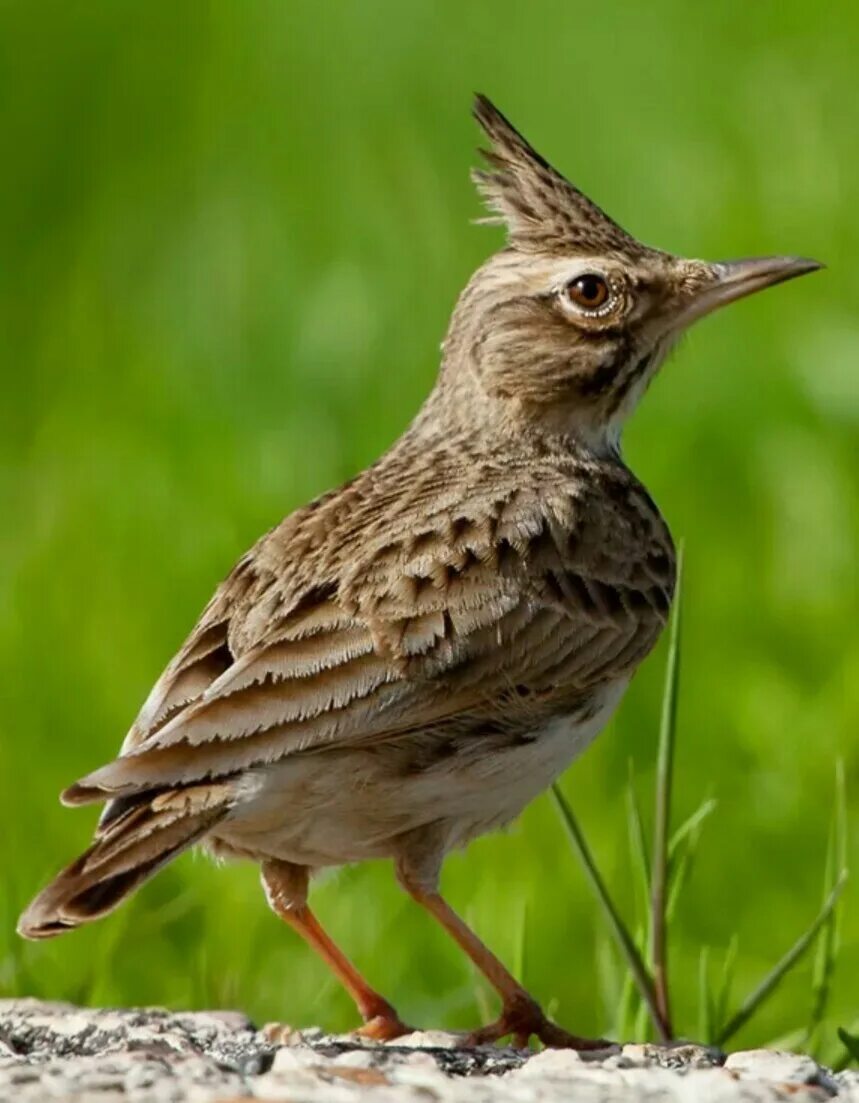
<point>542,210</point>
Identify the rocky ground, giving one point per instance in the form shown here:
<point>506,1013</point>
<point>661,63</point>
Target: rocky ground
<point>59,1052</point>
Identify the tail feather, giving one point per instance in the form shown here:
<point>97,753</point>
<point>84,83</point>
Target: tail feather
<point>125,853</point>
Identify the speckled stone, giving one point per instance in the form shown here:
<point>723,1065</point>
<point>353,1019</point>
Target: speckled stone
<point>51,1051</point>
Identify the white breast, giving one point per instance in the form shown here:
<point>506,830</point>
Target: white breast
<point>510,781</point>
<point>351,804</point>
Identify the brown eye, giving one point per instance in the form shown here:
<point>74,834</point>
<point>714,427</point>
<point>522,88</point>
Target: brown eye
<point>589,291</point>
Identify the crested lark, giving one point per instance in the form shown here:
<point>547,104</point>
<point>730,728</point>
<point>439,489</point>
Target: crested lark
<point>406,662</point>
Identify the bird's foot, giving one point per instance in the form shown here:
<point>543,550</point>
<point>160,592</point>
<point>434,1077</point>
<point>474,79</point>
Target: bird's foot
<point>523,1018</point>
<point>383,1028</point>
<point>381,1022</point>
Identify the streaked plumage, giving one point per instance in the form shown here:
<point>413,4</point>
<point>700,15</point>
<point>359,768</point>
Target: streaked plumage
<point>407,661</point>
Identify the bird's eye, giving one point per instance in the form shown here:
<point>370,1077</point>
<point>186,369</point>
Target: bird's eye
<point>588,291</point>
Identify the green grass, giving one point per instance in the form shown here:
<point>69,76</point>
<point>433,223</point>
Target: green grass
<point>230,238</point>
<point>646,992</point>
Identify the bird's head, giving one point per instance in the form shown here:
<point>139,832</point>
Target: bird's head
<point>564,328</point>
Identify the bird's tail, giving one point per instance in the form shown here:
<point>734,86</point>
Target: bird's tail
<point>144,833</point>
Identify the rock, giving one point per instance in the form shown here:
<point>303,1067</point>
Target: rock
<point>678,1055</point>
<point>784,1068</point>
<point>51,1051</point>
<point>429,1039</point>
<point>789,1068</point>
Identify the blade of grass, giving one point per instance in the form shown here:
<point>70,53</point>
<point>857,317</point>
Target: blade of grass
<point>824,954</point>
<point>610,980</point>
<point>850,1048</point>
<point>643,1024</point>
<point>691,823</point>
<point>662,818</point>
<point>830,938</point>
<point>637,1010</point>
<point>611,915</point>
<point>521,933</point>
<point>850,1042</point>
<point>628,1005</point>
<point>705,997</point>
<point>726,983</point>
<point>830,1050</point>
<point>637,846</point>
<point>766,987</point>
<point>679,870</point>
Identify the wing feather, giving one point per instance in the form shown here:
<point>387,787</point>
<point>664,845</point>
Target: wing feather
<point>398,627</point>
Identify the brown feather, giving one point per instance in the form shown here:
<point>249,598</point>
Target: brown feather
<point>124,855</point>
<point>542,210</point>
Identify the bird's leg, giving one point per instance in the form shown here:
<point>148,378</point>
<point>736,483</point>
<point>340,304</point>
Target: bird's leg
<point>521,1015</point>
<point>286,891</point>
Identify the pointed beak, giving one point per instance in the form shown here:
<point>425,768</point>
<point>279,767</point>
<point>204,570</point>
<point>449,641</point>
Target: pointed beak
<point>734,279</point>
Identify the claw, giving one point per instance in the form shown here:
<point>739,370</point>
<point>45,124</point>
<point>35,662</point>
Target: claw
<point>523,1018</point>
<point>383,1028</point>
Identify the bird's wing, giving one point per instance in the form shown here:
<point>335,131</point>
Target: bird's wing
<point>443,615</point>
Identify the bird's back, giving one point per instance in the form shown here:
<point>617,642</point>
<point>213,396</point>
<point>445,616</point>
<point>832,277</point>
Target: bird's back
<point>435,576</point>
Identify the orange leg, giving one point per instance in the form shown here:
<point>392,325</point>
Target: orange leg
<point>285,887</point>
<point>521,1015</point>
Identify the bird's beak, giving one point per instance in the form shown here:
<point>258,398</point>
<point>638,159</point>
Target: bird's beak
<point>734,279</point>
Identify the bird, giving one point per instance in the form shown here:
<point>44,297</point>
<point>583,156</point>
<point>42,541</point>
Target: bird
<point>403,664</point>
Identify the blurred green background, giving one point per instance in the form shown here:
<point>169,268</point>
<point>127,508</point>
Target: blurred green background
<point>230,238</point>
